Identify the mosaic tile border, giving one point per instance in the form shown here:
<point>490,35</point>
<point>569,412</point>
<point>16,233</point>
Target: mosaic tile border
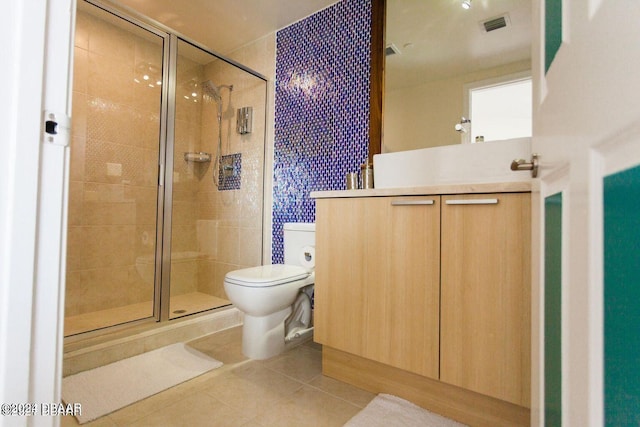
<point>230,182</point>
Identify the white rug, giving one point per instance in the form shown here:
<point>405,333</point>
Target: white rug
<point>391,411</point>
<point>111,387</point>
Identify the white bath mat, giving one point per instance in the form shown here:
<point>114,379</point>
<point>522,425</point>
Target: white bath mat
<point>391,411</point>
<point>111,387</point>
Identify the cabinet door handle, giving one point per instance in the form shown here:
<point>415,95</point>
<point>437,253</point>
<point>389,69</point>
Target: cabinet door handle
<point>472,202</point>
<point>411,202</point>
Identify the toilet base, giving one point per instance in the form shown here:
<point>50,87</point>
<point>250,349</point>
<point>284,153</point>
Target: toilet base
<point>263,337</point>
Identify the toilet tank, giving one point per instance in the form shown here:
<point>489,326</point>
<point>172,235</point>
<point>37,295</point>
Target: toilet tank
<point>297,235</point>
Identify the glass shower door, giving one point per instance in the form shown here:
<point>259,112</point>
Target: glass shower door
<point>115,150</point>
<point>216,179</point>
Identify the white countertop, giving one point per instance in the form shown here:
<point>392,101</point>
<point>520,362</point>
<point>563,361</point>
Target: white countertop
<point>497,187</point>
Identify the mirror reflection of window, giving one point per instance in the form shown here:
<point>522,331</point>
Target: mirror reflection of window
<point>500,110</point>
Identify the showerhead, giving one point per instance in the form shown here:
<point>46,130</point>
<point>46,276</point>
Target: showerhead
<point>210,89</point>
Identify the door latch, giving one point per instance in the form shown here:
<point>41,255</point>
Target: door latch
<point>56,129</point>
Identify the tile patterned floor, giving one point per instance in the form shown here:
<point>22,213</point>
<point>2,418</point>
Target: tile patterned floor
<point>287,390</point>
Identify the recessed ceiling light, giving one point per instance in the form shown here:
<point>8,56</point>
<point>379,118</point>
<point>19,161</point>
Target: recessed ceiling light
<point>466,4</point>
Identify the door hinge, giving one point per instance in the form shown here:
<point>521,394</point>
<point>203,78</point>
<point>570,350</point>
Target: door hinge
<point>56,128</point>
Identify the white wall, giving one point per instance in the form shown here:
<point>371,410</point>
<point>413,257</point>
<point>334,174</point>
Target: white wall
<point>424,116</point>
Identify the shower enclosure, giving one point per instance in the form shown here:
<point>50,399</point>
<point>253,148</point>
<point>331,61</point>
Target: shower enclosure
<point>165,194</point>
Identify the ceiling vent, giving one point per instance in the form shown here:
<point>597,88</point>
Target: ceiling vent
<point>391,49</point>
<point>495,23</point>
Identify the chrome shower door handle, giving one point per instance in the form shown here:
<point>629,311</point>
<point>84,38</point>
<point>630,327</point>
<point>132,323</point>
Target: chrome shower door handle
<point>522,165</point>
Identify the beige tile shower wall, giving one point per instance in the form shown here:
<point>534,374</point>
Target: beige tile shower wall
<point>114,154</point>
<point>261,57</point>
<point>231,220</point>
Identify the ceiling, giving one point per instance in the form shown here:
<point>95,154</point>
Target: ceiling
<point>225,25</point>
<point>439,39</point>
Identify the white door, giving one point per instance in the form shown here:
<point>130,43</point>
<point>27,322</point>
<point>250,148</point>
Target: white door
<point>33,185</point>
<point>586,287</point>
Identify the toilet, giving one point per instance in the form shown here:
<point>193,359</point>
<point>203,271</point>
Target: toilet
<point>271,298</point>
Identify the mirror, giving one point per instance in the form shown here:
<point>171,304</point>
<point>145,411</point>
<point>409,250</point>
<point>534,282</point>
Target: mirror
<point>433,49</point>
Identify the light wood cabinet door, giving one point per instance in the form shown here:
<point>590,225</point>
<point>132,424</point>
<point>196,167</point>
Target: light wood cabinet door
<point>340,291</point>
<point>403,309</point>
<point>485,289</point>
<point>377,279</point>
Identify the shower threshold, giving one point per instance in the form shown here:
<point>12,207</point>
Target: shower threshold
<point>182,305</point>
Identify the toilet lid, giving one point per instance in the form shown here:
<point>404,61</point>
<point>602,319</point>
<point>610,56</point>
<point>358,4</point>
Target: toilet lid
<point>266,275</point>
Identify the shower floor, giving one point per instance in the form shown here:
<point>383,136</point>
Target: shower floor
<point>191,303</point>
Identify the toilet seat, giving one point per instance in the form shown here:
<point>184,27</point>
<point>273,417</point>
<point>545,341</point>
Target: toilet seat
<point>267,275</point>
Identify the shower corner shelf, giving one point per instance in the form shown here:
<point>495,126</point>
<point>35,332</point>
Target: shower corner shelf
<point>200,157</point>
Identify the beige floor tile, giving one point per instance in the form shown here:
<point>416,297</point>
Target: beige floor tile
<point>228,336</point>
<point>153,404</point>
<point>308,407</point>
<point>287,390</point>
<point>301,363</point>
<point>252,387</point>
<point>70,421</point>
<point>314,345</point>
<point>225,346</point>
<point>357,396</point>
<point>252,423</point>
<point>196,410</point>
<point>132,413</point>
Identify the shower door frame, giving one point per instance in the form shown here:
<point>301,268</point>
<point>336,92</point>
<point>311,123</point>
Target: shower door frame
<point>164,292</point>
<point>140,21</point>
<point>162,262</point>
<point>163,268</point>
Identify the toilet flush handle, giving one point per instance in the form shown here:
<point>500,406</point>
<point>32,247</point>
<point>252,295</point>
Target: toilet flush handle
<point>307,257</point>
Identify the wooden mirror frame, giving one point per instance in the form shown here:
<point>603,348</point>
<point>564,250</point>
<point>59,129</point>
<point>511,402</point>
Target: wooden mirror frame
<point>376,91</point>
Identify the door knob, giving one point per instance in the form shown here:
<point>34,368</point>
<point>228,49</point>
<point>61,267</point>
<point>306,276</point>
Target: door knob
<point>522,165</point>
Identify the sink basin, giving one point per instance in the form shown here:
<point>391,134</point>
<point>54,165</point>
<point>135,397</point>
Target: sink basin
<point>452,164</point>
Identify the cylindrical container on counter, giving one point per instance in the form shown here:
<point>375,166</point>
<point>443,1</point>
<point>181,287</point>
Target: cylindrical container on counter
<point>352,181</point>
<point>366,176</point>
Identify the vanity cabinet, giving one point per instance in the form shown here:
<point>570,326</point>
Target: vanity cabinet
<point>437,286</point>
<point>377,274</point>
<point>485,285</point>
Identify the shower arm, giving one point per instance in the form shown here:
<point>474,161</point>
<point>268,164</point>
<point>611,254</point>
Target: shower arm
<point>213,91</point>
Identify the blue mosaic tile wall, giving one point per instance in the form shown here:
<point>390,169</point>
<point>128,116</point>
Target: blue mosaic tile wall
<point>232,181</point>
<point>321,109</point>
